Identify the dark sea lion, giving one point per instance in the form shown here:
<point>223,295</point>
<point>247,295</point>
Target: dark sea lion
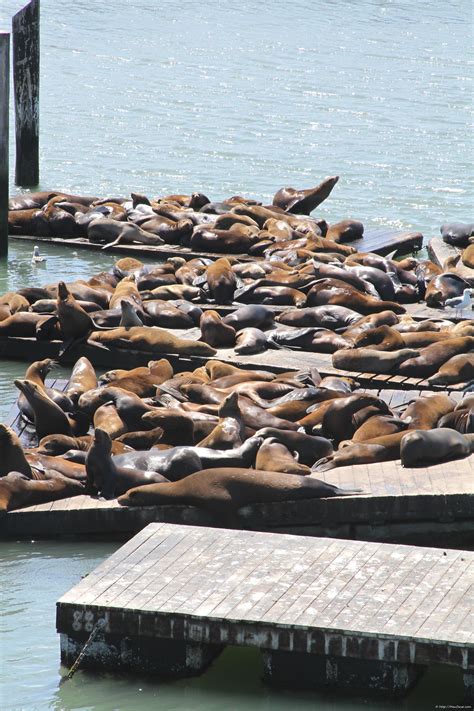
<point>383,338</point>
<point>444,286</point>
<point>22,324</point>
<point>345,231</point>
<point>275,456</point>
<point>215,332</point>
<point>379,449</point>
<point>28,201</point>
<point>232,241</point>
<point>253,315</point>
<point>339,293</point>
<point>250,340</point>
<point>304,201</point>
<point>371,360</point>
<point>460,420</point>
<point>178,462</point>
<point>165,314</point>
<point>223,491</point>
<point>112,232</point>
<point>54,445</point>
<point>83,378</point>
<point>177,426</point>
<point>327,316</point>
<point>221,281</point>
<point>422,447</point>
<point>151,339</point>
<point>425,412</point>
<point>12,456</point>
<point>338,421</point>
<point>36,373</point>
<point>18,491</point>
<point>457,233</point>
<point>275,295</point>
<point>140,439</point>
<point>49,418</point>
<point>458,369</point>
<point>75,323</point>
<point>378,426</point>
<point>105,477</point>
<point>432,357</point>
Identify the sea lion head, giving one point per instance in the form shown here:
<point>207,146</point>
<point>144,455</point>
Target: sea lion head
<point>230,406</point>
<point>102,438</point>
<point>12,457</point>
<point>63,291</point>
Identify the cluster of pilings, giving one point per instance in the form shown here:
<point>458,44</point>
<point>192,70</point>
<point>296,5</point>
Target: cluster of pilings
<point>26,62</point>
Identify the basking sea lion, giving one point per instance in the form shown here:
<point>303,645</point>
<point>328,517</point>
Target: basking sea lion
<point>309,448</point>
<point>338,421</point>
<point>378,449</point>
<point>382,338</point>
<point>458,369</point>
<point>151,339</point>
<point>105,477</point>
<point>339,293</point>
<point>250,340</point>
<point>425,412</point>
<point>461,420</point>
<point>432,357</point>
<point>22,324</point>
<point>232,241</point>
<point>215,332</point>
<point>253,315</point>
<point>18,491</point>
<point>328,316</point>
<point>112,232</point>
<point>275,456</point>
<point>108,419</point>
<point>48,417</point>
<point>12,456</point>
<point>422,447</point>
<point>345,231</point>
<point>54,445</point>
<point>230,430</point>
<point>221,281</point>
<point>378,426</point>
<point>75,323</point>
<point>223,491</point>
<point>303,202</point>
<point>444,286</point>
<point>83,378</point>
<point>165,314</point>
<point>140,439</point>
<point>457,233</point>
<point>37,373</point>
<point>370,360</point>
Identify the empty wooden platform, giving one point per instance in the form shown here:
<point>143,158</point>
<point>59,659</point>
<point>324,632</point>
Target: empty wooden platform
<point>433,505</point>
<point>324,612</point>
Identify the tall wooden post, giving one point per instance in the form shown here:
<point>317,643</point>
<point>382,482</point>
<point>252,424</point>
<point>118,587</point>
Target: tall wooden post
<point>26,64</point>
<point>4,116</point>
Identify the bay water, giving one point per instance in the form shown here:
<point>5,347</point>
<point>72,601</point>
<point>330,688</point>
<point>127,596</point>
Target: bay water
<point>228,98</point>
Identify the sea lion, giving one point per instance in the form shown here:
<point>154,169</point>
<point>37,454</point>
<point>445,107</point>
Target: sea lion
<point>250,340</point>
<point>151,339</point>
<point>378,426</point>
<point>303,202</point>
<point>22,324</point>
<point>18,491</point>
<point>108,419</point>
<point>54,445</point>
<point>461,420</point>
<point>431,358</point>
<point>309,448</point>
<point>83,378</point>
<point>328,316</point>
<point>379,449</point>
<point>275,295</point>
<point>382,338</point>
<point>444,286</point>
<point>178,462</point>
<point>48,417</point>
<point>37,373</point>
<point>174,291</point>
<point>221,281</point>
<point>165,314</point>
<point>223,491</point>
<point>75,323</point>
<point>425,412</point>
<point>112,232</point>
<point>370,360</point>
<point>422,447</point>
<point>458,369</point>
<point>215,332</point>
<point>12,456</point>
<point>313,339</point>
<point>253,315</point>
<point>105,477</point>
<point>178,426</point>
<point>230,430</point>
<point>457,233</point>
<point>345,231</point>
<point>338,422</point>
<point>336,292</point>
<point>232,241</point>
<point>140,439</point>
<point>275,456</point>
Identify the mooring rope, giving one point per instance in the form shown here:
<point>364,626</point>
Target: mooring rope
<point>97,627</point>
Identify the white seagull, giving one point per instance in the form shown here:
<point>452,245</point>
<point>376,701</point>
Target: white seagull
<point>37,256</point>
<point>459,303</point>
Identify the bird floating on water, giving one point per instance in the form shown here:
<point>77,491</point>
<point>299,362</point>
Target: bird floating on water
<point>37,256</point>
<point>459,303</point>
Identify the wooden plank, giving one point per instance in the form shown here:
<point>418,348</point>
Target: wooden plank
<point>440,251</point>
<point>4,138</point>
<point>26,80</point>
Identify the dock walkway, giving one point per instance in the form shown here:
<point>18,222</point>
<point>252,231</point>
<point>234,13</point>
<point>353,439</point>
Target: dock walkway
<point>323,612</point>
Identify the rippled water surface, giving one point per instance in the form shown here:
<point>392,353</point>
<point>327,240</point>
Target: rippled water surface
<point>227,98</point>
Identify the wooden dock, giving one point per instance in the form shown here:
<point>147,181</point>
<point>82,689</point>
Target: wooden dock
<point>432,505</point>
<point>325,613</point>
<point>439,251</point>
<point>381,240</point>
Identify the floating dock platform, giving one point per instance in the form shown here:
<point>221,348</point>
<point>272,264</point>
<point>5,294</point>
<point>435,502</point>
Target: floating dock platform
<point>325,613</point>
<point>381,240</point>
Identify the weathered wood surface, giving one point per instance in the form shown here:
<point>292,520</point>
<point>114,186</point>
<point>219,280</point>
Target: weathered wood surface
<point>29,349</point>
<point>4,138</point>
<point>439,251</point>
<point>26,79</point>
<point>433,504</point>
<point>281,593</point>
<point>379,240</point>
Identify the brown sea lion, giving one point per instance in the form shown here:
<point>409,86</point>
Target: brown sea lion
<point>309,448</point>
<point>232,241</point>
<point>223,491</point>
<point>221,281</point>
<point>83,378</point>
<point>141,439</point>
<point>151,339</point>
<point>125,289</point>
<point>49,418</point>
<point>75,323</point>
<point>378,426</point>
<point>432,357</point>
<point>382,338</point>
<point>12,456</point>
<point>18,491</point>
<point>370,360</point>
<point>108,419</point>
<point>250,340</point>
<point>444,286</point>
<point>422,447</point>
<point>22,324</point>
<point>328,316</point>
<point>458,369</point>
<point>339,293</point>
<point>275,456</point>
<point>338,422</point>
<point>304,201</point>
<point>54,445</point>
<point>112,232</point>
<point>230,430</point>
<point>251,316</point>
<point>425,412</point>
<point>379,449</point>
<point>215,332</point>
<point>345,231</point>
<point>163,313</point>
<point>105,477</point>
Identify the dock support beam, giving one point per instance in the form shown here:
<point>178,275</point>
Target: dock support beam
<point>26,77</point>
<point>297,670</point>
<point>4,142</point>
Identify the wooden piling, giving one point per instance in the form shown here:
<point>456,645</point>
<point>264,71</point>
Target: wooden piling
<point>4,126</point>
<point>26,64</point>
